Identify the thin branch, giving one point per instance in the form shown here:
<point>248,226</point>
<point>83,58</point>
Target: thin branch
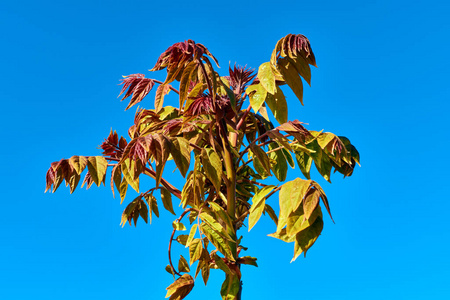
<point>171,239</point>
<point>244,215</point>
<point>249,145</point>
<point>252,182</point>
<point>176,192</point>
<point>150,172</point>
<point>273,192</point>
<point>171,87</point>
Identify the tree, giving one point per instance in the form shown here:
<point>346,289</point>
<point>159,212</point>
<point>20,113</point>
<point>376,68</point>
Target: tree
<point>224,152</point>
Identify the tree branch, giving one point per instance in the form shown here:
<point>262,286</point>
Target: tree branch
<point>171,239</point>
<point>171,87</point>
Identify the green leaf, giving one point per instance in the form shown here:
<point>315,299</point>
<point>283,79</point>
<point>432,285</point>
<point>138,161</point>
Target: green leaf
<point>247,260</point>
<point>291,77</point>
<point>166,198</point>
<point>170,270</point>
<point>258,205</point>
<point>179,148</point>
<point>178,226</point>
<point>152,205</point>
<point>282,235</point>
<point>168,112</point>
<point>278,163</point>
<point>217,240</point>
<point>302,67</point>
<point>291,196</point>
<point>268,209</point>
<point>126,168</point>
<point>297,220</point>
<point>180,288</point>
<point>229,92</point>
<point>278,105</point>
<point>221,264</point>
<point>223,216</point>
<point>182,239</point>
<point>311,202</point>
<point>191,234</point>
<point>257,94</point>
<point>183,265</point>
<point>78,163</point>
<point>304,161</point>
<point>289,158</point>
<point>273,58</point>
<point>212,221</point>
<point>97,166</point>
<point>260,157</point>
<point>212,166</point>
<point>267,77</point>
<point>230,287</point>
<point>306,238</point>
<point>195,250</point>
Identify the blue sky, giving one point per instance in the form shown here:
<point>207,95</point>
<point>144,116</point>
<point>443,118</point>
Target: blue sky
<point>382,81</point>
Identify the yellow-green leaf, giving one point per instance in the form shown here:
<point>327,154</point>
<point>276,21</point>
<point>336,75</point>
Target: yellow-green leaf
<point>78,163</point>
<point>191,234</point>
<point>97,166</point>
<point>212,166</point>
<point>278,105</point>
<point>178,226</point>
<point>257,94</point>
<point>195,250</point>
<point>166,198</point>
<point>127,168</point>
<point>258,205</point>
<point>291,77</point>
<point>221,264</point>
<point>180,288</point>
<point>217,240</point>
<point>183,265</point>
<point>267,77</point>
<point>306,238</point>
<point>278,163</point>
<point>230,287</point>
<point>291,196</point>
<point>302,67</point>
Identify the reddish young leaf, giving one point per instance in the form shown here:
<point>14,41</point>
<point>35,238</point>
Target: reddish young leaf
<point>138,86</point>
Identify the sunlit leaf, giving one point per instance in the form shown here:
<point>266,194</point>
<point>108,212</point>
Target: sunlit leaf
<point>278,105</point>
<point>258,205</point>
<point>183,265</point>
<point>257,94</point>
<point>278,163</point>
<point>230,287</point>
<point>78,163</point>
<point>248,260</point>
<point>213,167</point>
<point>306,238</point>
<point>166,198</point>
<point>267,77</point>
<point>291,196</point>
<point>291,77</point>
<point>178,226</point>
<point>97,166</point>
<point>195,250</point>
<point>180,288</point>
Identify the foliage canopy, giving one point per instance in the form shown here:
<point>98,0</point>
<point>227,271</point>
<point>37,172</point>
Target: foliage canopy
<point>224,152</point>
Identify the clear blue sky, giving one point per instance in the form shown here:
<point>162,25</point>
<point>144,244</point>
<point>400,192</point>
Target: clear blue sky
<point>382,81</point>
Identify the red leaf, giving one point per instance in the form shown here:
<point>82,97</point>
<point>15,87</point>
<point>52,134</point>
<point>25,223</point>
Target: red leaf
<point>138,86</point>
